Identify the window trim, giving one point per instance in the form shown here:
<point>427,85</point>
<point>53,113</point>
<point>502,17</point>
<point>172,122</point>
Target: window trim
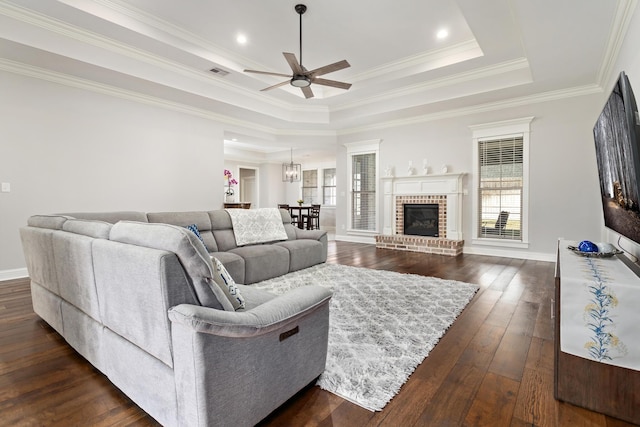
<point>356,148</point>
<point>502,130</point>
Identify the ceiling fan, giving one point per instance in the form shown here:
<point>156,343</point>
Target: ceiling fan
<point>301,77</point>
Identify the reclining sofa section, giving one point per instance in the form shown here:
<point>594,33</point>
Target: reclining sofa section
<point>132,293</point>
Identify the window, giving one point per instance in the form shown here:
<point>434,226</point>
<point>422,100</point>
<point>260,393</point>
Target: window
<point>501,171</point>
<point>362,172</point>
<point>310,186</point>
<point>500,189</point>
<point>363,193</point>
<point>329,187</point>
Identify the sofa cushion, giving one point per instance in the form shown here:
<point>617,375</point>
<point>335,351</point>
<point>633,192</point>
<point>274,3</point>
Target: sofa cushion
<point>227,284</point>
<point>303,253</point>
<point>199,218</point>
<point>111,217</point>
<point>53,222</point>
<point>234,264</point>
<point>190,251</point>
<point>263,261</point>
<point>88,227</point>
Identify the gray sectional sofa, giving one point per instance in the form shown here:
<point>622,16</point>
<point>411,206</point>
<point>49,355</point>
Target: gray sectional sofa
<point>133,293</point>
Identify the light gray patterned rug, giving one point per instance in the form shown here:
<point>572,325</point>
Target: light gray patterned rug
<point>382,325</point>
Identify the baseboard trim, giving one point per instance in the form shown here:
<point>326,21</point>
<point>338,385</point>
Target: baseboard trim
<point>17,273</point>
<point>471,250</point>
<point>509,253</point>
<point>355,239</point>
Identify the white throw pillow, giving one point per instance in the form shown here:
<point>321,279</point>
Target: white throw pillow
<point>224,280</point>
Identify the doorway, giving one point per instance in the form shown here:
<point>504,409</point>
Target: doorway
<point>249,185</point>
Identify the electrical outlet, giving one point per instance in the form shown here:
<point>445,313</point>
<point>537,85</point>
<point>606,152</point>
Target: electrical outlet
<point>6,187</point>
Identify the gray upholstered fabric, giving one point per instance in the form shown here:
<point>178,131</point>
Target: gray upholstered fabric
<point>133,297</point>
<point>84,334</point>
<point>37,244</point>
<point>53,222</point>
<point>318,235</point>
<point>251,376</point>
<point>46,304</point>
<point>91,228</point>
<point>200,218</point>
<point>222,230</point>
<point>74,261</point>
<point>111,217</point>
<point>265,318</point>
<point>189,249</point>
<point>111,299</point>
<point>146,380</point>
<point>263,261</point>
<point>254,297</point>
<point>303,253</point>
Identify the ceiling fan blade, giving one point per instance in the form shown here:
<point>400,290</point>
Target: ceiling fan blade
<point>307,92</point>
<point>332,83</point>
<point>268,73</point>
<point>275,86</point>
<point>293,63</point>
<point>330,68</point>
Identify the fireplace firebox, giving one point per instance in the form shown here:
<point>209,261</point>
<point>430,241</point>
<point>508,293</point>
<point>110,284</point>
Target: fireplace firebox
<point>421,219</point>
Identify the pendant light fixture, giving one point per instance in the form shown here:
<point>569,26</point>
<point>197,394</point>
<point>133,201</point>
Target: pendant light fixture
<point>291,172</point>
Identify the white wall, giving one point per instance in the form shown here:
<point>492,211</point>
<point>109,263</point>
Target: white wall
<point>564,190</point>
<point>64,149</point>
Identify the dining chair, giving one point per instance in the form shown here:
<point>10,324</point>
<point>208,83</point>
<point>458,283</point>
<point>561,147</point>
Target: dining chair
<point>312,220</point>
<point>294,218</point>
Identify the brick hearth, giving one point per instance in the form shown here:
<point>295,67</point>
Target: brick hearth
<point>429,245</point>
<point>444,190</point>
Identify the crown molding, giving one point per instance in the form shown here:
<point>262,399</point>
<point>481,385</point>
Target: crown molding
<point>622,19</point>
<point>469,47</point>
<point>89,85</point>
<point>454,80</point>
<point>480,108</point>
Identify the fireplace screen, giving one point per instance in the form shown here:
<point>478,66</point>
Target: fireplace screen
<point>421,219</point>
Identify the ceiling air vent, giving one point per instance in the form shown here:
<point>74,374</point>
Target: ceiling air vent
<point>219,71</point>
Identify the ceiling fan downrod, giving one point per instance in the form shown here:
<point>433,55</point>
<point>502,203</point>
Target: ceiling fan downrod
<point>300,9</point>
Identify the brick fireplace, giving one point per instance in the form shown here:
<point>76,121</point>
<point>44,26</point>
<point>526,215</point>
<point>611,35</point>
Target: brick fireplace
<point>445,190</point>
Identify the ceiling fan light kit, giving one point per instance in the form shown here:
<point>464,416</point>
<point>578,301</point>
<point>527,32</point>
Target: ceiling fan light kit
<point>301,77</point>
<point>300,80</point>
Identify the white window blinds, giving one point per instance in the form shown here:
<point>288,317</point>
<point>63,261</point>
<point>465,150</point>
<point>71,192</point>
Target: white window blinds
<point>363,192</point>
<point>500,189</point>
<point>310,186</point>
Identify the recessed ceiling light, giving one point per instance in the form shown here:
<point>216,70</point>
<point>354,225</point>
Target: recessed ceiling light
<point>241,39</point>
<point>442,34</point>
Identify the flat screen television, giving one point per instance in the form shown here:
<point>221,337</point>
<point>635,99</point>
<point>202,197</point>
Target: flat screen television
<point>617,138</point>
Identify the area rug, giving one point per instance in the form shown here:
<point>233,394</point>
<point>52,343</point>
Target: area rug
<point>382,325</point>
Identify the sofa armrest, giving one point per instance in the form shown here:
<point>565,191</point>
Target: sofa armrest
<point>267,317</point>
<point>234,368</point>
<point>310,234</point>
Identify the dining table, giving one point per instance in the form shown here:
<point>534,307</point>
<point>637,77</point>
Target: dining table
<point>299,210</point>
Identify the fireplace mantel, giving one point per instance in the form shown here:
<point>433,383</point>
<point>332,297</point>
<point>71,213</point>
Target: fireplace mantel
<point>449,185</point>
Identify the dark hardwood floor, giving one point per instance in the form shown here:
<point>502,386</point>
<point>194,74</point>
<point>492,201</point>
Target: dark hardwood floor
<point>494,367</point>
